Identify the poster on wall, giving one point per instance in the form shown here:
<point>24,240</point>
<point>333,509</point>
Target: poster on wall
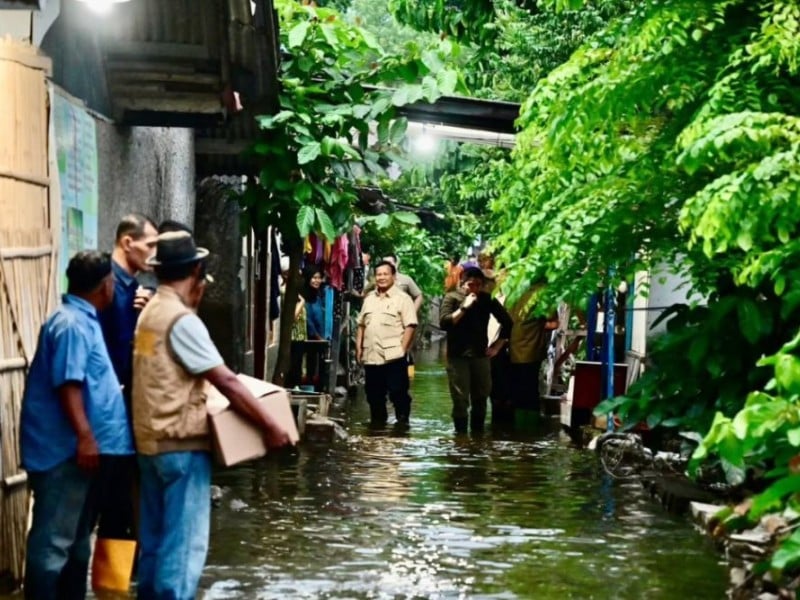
<point>76,158</point>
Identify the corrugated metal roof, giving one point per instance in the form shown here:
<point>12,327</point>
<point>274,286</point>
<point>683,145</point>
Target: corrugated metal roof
<point>177,62</point>
<point>218,149</point>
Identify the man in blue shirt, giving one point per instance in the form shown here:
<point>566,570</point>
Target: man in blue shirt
<point>72,415</point>
<point>134,243</point>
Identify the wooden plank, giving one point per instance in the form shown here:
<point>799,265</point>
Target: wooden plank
<point>12,364</point>
<point>22,4</point>
<point>156,88</point>
<point>25,55</point>
<point>175,102</point>
<point>160,75</point>
<point>22,101</point>
<point>23,204</point>
<point>25,177</point>
<point>14,480</point>
<point>114,65</point>
<point>159,50</point>
<point>25,252</point>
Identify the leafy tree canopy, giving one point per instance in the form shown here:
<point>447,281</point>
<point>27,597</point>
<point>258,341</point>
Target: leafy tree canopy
<point>337,126</point>
<point>672,137</point>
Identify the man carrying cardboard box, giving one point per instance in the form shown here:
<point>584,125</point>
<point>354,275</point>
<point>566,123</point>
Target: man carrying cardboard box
<point>174,357</point>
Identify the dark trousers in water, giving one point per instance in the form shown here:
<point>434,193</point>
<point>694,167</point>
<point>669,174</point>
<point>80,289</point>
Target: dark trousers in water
<point>392,379</point>
<point>502,405</point>
<point>117,497</point>
<point>525,385</point>
<point>470,382</point>
<point>295,375</point>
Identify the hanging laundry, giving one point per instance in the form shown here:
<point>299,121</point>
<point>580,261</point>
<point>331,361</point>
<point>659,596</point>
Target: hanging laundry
<point>337,266</point>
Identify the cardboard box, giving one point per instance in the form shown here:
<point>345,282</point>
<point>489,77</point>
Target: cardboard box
<point>235,438</point>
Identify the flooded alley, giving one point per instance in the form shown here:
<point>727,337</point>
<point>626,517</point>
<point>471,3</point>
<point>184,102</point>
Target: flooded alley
<point>421,514</point>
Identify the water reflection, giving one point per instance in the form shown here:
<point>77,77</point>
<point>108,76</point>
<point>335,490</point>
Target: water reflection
<point>422,514</point>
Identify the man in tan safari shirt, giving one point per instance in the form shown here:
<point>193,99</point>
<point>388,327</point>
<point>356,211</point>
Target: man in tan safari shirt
<point>386,326</point>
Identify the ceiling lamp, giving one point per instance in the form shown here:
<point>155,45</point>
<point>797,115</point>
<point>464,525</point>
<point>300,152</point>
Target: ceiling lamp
<point>102,7</point>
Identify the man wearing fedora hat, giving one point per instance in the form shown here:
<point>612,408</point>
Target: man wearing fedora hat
<point>174,357</point>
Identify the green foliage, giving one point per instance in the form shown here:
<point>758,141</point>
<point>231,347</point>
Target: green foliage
<point>318,147</point>
<point>764,436</point>
<point>707,360</point>
<point>528,45</point>
<point>672,137</point>
<point>454,188</point>
<point>375,17</point>
<point>512,43</point>
<point>469,20</point>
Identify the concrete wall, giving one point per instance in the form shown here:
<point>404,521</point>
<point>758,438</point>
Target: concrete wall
<point>72,42</point>
<point>223,307</point>
<point>144,169</point>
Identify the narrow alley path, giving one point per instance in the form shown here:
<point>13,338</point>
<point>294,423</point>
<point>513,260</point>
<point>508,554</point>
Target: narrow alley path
<point>423,515</point>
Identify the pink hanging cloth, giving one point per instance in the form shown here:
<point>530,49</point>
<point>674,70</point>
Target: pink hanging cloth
<point>338,262</point>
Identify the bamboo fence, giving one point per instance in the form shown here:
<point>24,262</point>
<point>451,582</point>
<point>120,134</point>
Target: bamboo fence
<point>27,276</point>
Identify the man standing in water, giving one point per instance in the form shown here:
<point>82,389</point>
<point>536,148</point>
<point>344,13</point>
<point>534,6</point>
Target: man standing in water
<point>73,422</point>
<point>464,315</point>
<point>134,243</point>
<point>386,326</point>
<point>174,357</point>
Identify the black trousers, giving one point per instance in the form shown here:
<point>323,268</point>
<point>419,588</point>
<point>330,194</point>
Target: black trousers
<point>118,483</point>
<point>525,385</point>
<point>392,379</point>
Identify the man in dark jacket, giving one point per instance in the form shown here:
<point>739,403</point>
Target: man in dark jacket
<point>464,315</point>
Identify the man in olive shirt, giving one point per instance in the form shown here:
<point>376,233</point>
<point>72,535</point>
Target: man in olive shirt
<point>386,326</point>
<point>464,315</point>
<point>529,341</point>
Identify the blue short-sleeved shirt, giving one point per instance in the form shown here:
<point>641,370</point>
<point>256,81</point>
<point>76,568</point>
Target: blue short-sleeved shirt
<point>71,348</point>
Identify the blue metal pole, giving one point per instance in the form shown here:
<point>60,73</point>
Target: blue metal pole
<point>591,327</point>
<point>610,322</point>
<point>629,317</point>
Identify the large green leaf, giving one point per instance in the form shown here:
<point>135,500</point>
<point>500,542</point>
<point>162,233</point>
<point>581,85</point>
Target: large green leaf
<point>383,220</point>
<point>447,80</point>
<point>788,553</point>
<point>302,192</point>
<point>297,34</point>
<point>770,497</point>
<point>325,223</point>
<point>400,96</point>
<point>405,217</point>
<point>305,220</point>
<point>308,153</point>
<point>430,89</point>
<point>397,131</point>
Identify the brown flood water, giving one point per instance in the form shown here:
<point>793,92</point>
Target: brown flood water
<point>421,514</point>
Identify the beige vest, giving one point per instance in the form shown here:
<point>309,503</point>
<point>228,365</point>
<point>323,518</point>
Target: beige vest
<point>169,410</point>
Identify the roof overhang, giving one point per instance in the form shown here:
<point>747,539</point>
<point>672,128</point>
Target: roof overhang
<point>219,149</point>
<point>22,4</point>
<point>181,64</point>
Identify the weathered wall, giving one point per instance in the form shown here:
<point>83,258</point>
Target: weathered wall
<point>144,169</point>
<point>73,44</point>
<point>223,306</point>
